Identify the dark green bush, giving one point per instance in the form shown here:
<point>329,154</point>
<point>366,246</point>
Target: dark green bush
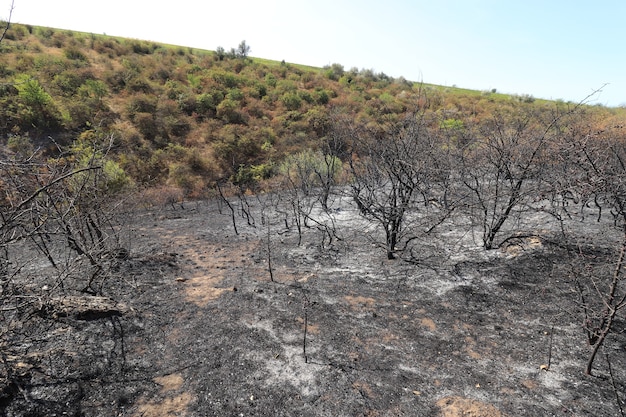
<point>291,101</point>
<point>147,125</point>
<point>68,82</point>
<point>141,104</point>
<point>139,85</point>
<point>74,53</point>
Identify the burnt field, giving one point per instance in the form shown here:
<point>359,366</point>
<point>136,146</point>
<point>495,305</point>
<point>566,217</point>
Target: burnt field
<point>195,319</point>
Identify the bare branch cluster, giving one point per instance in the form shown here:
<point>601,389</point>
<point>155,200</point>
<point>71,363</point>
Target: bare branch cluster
<point>59,242</point>
<point>528,174</point>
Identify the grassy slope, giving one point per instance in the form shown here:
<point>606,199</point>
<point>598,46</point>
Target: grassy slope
<point>182,118</point>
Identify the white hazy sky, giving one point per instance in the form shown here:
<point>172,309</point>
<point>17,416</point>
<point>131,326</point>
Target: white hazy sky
<point>554,49</point>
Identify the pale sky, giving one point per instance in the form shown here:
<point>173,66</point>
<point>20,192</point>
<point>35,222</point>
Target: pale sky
<point>553,49</point>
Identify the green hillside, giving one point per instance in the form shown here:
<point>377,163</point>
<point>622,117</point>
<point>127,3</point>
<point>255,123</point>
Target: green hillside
<point>184,118</point>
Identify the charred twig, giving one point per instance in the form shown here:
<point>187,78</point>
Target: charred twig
<point>8,22</point>
<point>230,207</point>
<point>269,251</point>
<point>614,385</point>
<point>305,305</point>
<point>607,321</point>
<point>550,347</point>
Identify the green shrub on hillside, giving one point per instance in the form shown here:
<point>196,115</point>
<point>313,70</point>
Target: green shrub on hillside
<point>31,92</point>
<point>291,101</point>
<point>36,108</point>
<point>92,149</point>
<point>73,53</point>
<point>308,169</point>
<point>229,111</point>
<point>141,103</point>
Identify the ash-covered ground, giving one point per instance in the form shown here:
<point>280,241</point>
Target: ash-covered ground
<point>192,323</point>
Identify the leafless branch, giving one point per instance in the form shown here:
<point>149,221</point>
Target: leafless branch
<point>8,22</point>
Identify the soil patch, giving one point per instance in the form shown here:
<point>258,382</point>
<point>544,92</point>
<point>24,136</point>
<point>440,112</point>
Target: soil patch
<point>465,407</point>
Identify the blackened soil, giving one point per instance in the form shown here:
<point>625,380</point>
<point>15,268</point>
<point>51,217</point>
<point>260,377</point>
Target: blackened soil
<point>195,326</point>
